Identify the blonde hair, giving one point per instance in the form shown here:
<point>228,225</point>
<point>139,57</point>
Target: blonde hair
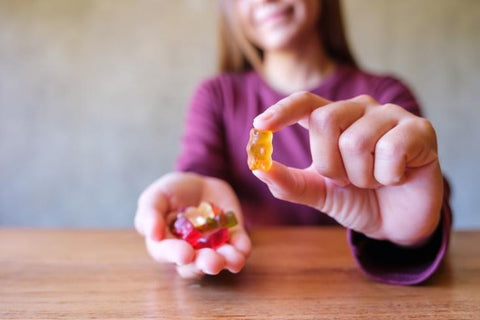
<point>237,53</point>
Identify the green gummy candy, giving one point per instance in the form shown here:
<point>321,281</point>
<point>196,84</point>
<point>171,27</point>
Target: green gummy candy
<point>210,224</point>
<point>221,220</point>
<point>230,219</point>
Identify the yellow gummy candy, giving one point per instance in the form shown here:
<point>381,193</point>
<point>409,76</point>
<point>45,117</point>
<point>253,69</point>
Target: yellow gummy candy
<point>259,150</point>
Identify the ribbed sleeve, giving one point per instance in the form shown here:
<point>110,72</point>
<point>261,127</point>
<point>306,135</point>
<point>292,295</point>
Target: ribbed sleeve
<point>386,262</point>
<point>382,260</point>
<point>203,147</point>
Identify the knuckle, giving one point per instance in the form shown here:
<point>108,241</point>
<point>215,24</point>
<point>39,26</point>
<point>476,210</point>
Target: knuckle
<point>388,149</point>
<point>365,98</point>
<point>324,119</point>
<point>424,129</point>
<point>430,133</point>
<point>425,125</point>
<point>393,109</point>
<point>303,95</point>
<point>388,106</point>
<point>350,143</point>
<point>281,104</point>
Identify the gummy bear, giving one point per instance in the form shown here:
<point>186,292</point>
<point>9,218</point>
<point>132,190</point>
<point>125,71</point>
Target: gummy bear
<point>227,219</point>
<point>259,150</point>
<point>205,226</point>
<point>199,215</point>
<point>183,228</point>
<point>212,239</point>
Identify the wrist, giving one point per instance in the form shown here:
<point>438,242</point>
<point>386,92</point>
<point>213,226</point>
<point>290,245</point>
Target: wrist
<point>415,236</point>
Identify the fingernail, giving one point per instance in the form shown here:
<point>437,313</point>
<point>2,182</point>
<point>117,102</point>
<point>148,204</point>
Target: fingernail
<point>261,175</point>
<point>266,116</point>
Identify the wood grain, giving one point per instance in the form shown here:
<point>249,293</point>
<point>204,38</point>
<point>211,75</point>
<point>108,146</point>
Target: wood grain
<point>293,273</point>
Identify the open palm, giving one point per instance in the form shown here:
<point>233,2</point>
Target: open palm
<point>175,191</point>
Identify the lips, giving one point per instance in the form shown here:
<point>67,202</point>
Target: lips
<point>270,15</point>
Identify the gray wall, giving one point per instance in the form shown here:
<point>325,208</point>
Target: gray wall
<point>93,92</point>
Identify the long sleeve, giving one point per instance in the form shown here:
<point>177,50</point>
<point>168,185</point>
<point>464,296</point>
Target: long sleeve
<point>385,261</point>
<point>202,147</point>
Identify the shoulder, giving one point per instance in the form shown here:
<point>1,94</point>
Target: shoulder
<point>372,81</point>
<point>384,87</point>
<point>225,83</point>
<point>225,94</point>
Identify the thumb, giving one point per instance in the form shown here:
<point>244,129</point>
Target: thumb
<point>303,186</point>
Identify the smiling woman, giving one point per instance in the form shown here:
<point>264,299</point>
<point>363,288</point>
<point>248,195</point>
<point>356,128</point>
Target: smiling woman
<point>364,151</point>
<point>92,96</point>
<point>237,53</point>
<point>277,25</point>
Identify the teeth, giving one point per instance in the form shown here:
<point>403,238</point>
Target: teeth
<point>266,11</point>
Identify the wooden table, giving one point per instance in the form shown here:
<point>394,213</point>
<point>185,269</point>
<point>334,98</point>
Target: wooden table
<point>293,273</point>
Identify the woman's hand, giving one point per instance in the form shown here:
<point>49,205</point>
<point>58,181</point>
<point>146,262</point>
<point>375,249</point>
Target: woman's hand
<point>375,167</point>
<point>177,190</point>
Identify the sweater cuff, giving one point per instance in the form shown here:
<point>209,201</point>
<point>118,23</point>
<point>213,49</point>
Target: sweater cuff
<point>387,262</point>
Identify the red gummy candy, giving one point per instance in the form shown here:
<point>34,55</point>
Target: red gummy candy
<point>212,239</point>
<point>218,238</point>
<point>183,228</point>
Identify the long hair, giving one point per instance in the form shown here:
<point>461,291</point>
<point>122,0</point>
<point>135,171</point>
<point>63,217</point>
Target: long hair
<point>238,54</point>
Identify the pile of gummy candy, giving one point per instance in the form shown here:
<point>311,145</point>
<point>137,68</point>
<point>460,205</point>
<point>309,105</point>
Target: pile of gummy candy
<point>205,226</point>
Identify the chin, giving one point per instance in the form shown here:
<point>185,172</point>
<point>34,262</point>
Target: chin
<point>281,41</point>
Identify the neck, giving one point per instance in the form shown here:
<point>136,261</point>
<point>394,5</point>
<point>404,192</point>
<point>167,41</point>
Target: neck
<point>301,67</point>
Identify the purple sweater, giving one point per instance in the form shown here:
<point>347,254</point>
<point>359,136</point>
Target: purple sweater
<point>217,130</point>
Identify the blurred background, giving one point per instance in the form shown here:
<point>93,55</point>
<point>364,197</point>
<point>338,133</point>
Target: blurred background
<point>93,95</point>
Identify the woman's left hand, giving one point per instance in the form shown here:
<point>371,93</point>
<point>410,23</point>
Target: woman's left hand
<point>375,167</point>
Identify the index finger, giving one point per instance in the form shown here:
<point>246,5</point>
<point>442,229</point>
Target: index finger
<point>292,109</point>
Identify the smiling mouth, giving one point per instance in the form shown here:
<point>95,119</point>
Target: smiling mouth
<point>273,15</point>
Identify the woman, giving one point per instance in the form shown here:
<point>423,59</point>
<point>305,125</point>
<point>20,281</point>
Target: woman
<point>350,148</point>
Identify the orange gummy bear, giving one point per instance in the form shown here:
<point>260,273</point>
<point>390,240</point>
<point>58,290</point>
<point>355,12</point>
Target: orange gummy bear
<point>259,150</point>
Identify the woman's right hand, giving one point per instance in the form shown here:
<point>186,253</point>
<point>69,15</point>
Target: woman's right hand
<point>174,191</point>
